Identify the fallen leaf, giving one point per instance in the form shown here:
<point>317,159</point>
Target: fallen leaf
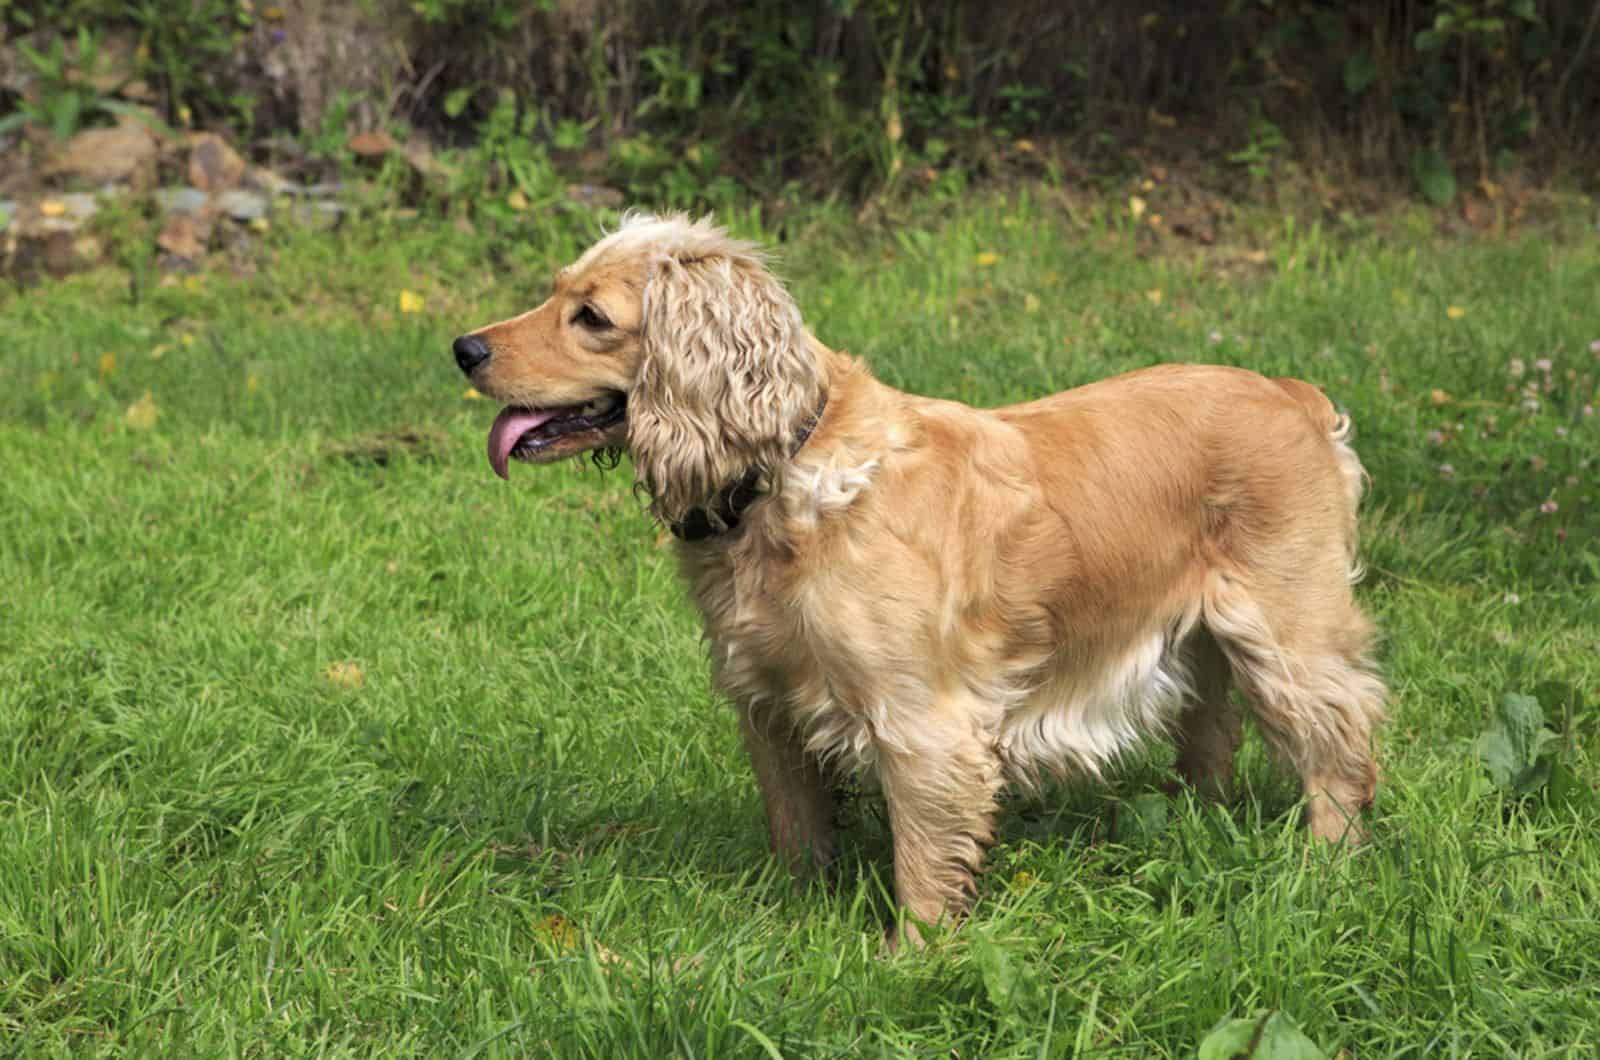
<point>371,144</point>
<point>345,675</point>
<point>142,414</point>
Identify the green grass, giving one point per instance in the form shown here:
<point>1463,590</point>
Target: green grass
<point>528,828</point>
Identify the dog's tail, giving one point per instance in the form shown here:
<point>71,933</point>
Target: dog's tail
<point>1338,427</point>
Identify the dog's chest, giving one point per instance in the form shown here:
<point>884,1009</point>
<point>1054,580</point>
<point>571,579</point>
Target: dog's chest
<point>794,646</point>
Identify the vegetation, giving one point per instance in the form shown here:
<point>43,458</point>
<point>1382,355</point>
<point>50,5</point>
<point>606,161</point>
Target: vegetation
<point>666,100</point>
<point>317,738</point>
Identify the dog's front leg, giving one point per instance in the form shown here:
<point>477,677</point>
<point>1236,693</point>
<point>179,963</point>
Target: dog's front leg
<point>798,800</point>
<point>942,793</point>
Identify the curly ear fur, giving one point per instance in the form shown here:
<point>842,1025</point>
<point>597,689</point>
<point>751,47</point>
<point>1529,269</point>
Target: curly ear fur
<point>726,376</point>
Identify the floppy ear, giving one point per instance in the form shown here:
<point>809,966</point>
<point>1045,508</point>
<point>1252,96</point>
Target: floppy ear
<point>725,380</point>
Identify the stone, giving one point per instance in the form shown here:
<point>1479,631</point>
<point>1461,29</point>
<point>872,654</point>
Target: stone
<point>214,166</point>
<point>181,200</point>
<point>186,234</point>
<point>242,205</point>
<point>123,154</point>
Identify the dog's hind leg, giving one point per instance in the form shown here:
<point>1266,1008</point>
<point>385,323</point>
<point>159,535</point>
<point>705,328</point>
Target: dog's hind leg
<point>1300,655</point>
<point>1209,727</point>
<point>799,802</point>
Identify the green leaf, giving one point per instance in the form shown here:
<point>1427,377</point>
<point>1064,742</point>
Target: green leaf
<point>455,102</point>
<point>1268,1036</point>
<point>1359,72</point>
<point>1523,720</point>
<point>1141,818</point>
<point>1527,10</point>
<point>1429,40</point>
<point>995,967</point>
<point>1498,757</point>
<point>1517,751</point>
<point>1434,176</point>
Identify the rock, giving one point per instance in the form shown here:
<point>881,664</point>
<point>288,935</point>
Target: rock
<point>266,181</point>
<point>213,165</point>
<point>242,205</point>
<point>124,154</point>
<point>181,200</point>
<point>186,234</point>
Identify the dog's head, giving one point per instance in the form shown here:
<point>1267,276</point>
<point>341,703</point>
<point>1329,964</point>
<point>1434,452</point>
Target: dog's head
<point>666,338</point>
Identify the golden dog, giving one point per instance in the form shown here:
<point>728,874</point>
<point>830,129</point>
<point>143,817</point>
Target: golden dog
<point>945,597</point>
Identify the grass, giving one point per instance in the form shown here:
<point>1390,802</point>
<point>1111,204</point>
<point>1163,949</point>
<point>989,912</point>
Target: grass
<point>317,738</point>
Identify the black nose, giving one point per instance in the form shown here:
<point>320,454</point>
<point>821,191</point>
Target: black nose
<point>470,352</point>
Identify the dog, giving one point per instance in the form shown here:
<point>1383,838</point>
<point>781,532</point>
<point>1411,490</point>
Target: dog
<point>946,598</point>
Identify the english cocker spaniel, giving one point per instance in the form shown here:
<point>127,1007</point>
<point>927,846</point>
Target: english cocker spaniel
<point>951,598</point>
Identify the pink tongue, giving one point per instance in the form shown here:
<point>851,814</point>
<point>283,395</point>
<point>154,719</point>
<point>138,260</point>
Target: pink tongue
<point>509,427</point>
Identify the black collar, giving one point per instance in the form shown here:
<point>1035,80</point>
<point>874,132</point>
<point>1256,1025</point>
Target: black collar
<point>733,499</point>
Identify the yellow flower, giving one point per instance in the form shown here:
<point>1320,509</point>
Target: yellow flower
<point>516,200</point>
<point>52,208</point>
<point>186,339</point>
<point>1154,294</point>
<point>987,259</point>
<point>1030,303</point>
<point>108,364</point>
<point>410,302</point>
<point>1439,397</point>
<point>1136,206</point>
<point>252,383</point>
<point>142,414</point>
<point>192,283</point>
<point>1455,312</point>
<point>471,394</point>
<point>158,352</point>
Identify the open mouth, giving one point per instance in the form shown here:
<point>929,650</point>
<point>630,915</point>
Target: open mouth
<point>533,434</point>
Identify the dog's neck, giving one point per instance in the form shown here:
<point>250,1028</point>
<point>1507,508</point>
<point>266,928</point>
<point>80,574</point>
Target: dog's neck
<point>727,508</point>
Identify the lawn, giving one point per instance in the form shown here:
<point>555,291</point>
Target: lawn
<point>315,737</point>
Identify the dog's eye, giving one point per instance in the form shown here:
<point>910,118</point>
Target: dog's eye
<point>590,318</point>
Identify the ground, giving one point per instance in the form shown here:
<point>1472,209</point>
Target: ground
<point>317,737</point>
